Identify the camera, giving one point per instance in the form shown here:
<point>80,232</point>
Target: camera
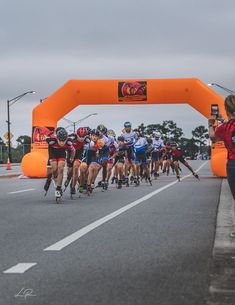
<point>215,110</point>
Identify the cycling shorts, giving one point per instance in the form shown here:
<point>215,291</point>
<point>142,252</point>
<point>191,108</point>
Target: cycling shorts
<point>130,155</point>
<point>155,156</point>
<point>181,159</point>
<point>119,160</point>
<point>57,154</point>
<point>141,159</point>
<point>167,157</point>
<point>78,156</point>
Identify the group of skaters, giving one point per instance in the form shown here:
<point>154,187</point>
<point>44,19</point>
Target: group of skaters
<point>123,160</point>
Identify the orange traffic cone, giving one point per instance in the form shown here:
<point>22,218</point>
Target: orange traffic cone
<point>8,164</point>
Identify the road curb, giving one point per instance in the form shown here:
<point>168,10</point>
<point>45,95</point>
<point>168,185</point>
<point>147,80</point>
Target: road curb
<point>222,286</point>
<point>4,176</point>
<point>12,164</point>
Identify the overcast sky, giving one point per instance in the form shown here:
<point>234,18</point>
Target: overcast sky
<point>45,43</point>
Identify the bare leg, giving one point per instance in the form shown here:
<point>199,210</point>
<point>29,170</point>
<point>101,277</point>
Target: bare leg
<point>59,179</point>
<point>83,173</point>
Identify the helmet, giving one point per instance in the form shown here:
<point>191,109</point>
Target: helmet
<point>62,135</point>
<point>102,128</point>
<point>82,132</point>
<point>120,138</point>
<point>95,132</point>
<point>157,134</point>
<point>111,133</point>
<point>88,130</point>
<point>58,128</point>
<point>127,125</point>
<point>149,140</point>
<point>173,144</point>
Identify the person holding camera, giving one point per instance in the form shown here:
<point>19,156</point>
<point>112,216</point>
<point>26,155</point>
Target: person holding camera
<point>226,132</point>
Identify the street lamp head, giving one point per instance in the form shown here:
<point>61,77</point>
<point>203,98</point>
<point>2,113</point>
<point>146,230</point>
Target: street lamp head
<point>222,87</point>
<point>33,92</point>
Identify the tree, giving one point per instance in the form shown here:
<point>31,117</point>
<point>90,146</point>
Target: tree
<point>24,147</point>
<point>24,140</point>
<point>168,130</point>
<point>154,127</point>
<point>142,128</point>
<point>171,131</point>
<point>200,135</point>
<point>189,147</point>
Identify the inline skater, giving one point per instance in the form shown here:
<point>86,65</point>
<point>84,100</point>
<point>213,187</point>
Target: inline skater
<point>111,133</point>
<point>92,159</point>
<point>166,158</point>
<point>140,146</point>
<point>112,149</point>
<point>49,168</point>
<point>119,159</point>
<point>130,137</point>
<point>177,156</point>
<point>79,139</point>
<point>158,144</point>
<point>104,155</point>
<point>148,150</point>
<point>57,146</point>
<point>84,167</point>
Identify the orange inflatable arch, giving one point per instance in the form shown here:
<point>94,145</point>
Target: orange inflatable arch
<point>118,92</point>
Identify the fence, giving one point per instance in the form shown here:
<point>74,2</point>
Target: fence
<point>17,152</point>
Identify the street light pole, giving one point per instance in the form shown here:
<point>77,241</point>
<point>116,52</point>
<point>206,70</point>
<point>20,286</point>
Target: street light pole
<point>10,103</point>
<point>77,122</point>
<point>8,130</point>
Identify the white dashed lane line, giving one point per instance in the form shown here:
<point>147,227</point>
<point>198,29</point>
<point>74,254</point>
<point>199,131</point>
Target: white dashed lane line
<point>78,234</point>
<point>21,191</point>
<point>20,268</point>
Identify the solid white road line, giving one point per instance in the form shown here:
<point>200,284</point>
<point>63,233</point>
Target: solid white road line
<point>78,234</point>
<point>28,190</point>
<point>20,268</point>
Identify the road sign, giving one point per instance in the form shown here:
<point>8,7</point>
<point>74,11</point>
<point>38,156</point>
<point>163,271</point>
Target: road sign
<point>6,135</point>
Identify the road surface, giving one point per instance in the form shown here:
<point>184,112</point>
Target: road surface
<point>139,245</point>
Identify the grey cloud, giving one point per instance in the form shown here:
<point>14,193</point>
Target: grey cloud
<point>120,27</point>
<point>45,43</point>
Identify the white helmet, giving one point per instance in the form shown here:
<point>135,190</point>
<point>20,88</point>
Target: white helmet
<point>157,134</point>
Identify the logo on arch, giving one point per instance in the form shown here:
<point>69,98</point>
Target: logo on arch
<point>132,91</point>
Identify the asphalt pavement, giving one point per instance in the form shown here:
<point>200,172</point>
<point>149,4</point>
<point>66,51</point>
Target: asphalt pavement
<point>15,170</point>
<point>139,245</point>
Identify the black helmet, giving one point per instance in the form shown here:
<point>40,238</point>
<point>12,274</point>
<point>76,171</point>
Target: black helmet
<point>62,135</point>
<point>95,132</point>
<point>58,128</point>
<point>127,124</point>
<point>102,128</point>
<point>173,144</point>
<point>89,130</point>
<point>149,140</point>
<point>121,138</point>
